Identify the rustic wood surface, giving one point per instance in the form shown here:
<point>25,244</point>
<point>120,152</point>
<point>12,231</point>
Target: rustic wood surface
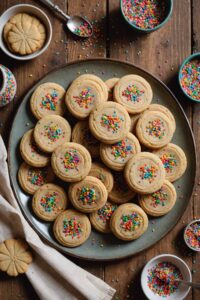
<point>161,53</point>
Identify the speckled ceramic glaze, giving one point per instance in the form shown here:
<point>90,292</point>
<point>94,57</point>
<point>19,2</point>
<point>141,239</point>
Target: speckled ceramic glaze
<point>99,246</point>
<point>8,87</point>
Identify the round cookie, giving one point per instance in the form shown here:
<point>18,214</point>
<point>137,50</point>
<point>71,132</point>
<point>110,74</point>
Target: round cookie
<point>154,129</point>
<point>100,219</point>
<point>110,85</point>
<point>88,195</point>
<point>50,132</point>
<point>128,222</point>
<point>160,202</point>
<point>116,156</point>
<point>174,161</point>
<point>101,172</point>
<point>49,201</point>
<point>31,178</point>
<point>144,173</point>
<point>134,93</point>
<point>71,228</point>
<point>81,134</point>
<point>47,99</point>
<point>109,122</point>
<point>71,162</point>
<point>30,152</point>
<point>120,192</point>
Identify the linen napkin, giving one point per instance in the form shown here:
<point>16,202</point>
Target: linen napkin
<point>53,276</point>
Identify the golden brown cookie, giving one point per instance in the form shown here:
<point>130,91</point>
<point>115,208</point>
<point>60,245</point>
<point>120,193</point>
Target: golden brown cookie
<point>101,172</point>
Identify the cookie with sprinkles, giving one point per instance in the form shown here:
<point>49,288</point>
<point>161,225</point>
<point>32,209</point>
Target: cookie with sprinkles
<point>51,132</point>
<point>174,161</point>
<point>49,201</point>
<point>88,195</point>
<point>81,134</point>
<point>101,172</point>
<point>154,129</point>
<point>134,93</point>
<point>30,153</point>
<point>71,162</point>
<point>100,219</point>
<point>144,173</point>
<point>111,82</point>
<point>48,99</point>
<point>109,122</point>
<point>128,222</point>
<point>160,202</point>
<point>116,156</point>
<point>32,178</point>
<point>71,228</point>
<point>120,193</point>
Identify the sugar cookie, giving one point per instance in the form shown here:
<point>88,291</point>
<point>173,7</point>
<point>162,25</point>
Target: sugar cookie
<point>101,172</point>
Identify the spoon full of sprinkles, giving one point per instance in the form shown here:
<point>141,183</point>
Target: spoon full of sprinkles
<point>76,24</point>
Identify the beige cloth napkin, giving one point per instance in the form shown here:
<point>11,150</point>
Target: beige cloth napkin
<point>53,276</point>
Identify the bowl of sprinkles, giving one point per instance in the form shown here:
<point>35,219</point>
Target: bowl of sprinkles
<point>146,15</point>
<point>159,278</point>
<point>192,235</point>
<point>189,77</point>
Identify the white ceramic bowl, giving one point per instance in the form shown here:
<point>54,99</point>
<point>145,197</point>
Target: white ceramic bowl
<point>32,10</point>
<point>182,290</point>
<point>184,236</point>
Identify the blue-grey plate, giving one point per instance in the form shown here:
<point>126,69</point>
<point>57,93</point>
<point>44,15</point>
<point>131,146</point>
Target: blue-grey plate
<point>99,246</point>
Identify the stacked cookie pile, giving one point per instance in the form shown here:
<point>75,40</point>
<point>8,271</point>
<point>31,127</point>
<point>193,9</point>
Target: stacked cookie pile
<point>100,162</point>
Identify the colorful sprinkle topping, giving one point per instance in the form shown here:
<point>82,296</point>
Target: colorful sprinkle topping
<point>71,160</point>
<point>72,227</point>
<point>156,128</point>
<point>106,212</point>
<point>130,222</point>
<point>148,173</point>
<point>50,202</point>
<point>37,176</point>
<point>121,149</point>
<point>190,79</point>
<point>87,195</point>
<point>85,98</point>
<point>111,122</point>
<point>192,235</point>
<point>145,14</point>
<point>169,162</point>
<point>161,279</point>
<point>7,94</point>
<point>52,132</point>
<point>50,101</point>
<point>132,93</point>
<point>83,29</point>
<point>158,198</point>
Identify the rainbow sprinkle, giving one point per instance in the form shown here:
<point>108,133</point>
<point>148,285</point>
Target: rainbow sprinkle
<point>52,132</point>
<point>145,14</point>
<point>121,149</point>
<point>50,101</point>
<point>71,160</point>
<point>7,94</point>
<point>192,235</point>
<point>158,198</point>
<point>37,176</point>
<point>106,212</point>
<point>148,173</point>
<point>112,123</point>
<point>85,98</point>
<point>156,128</point>
<point>132,93</point>
<point>130,222</point>
<point>50,202</point>
<point>72,227</point>
<point>161,279</point>
<point>190,79</point>
<point>83,29</point>
<point>169,162</point>
<point>87,196</point>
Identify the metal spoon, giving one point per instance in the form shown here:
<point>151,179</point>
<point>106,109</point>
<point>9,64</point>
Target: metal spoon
<point>76,24</point>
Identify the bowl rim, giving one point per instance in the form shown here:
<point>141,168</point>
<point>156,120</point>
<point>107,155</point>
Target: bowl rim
<point>187,59</point>
<point>165,255</point>
<point>34,54</point>
<point>188,225</point>
<point>148,30</point>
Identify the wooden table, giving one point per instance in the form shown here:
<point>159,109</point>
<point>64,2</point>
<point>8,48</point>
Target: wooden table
<point>161,53</point>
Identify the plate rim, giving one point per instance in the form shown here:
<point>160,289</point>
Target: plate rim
<point>52,243</point>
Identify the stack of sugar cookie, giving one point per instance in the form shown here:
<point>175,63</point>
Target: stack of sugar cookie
<point>90,174</point>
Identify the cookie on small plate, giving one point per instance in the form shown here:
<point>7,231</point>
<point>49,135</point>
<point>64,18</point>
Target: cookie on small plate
<point>109,122</point>
<point>101,172</point>
<point>47,99</point>
<point>144,173</point>
<point>30,153</point>
<point>160,202</point>
<point>50,132</point>
<point>100,219</point>
<point>71,228</point>
<point>49,201</point>
<point>32,178</point>
<point>116,156</point>
<point>111,82</point>
<point>128,222</point>
<point>71,162</point>
<point>88,195</point>
<point>134,93</point>
<point>174,161</point>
